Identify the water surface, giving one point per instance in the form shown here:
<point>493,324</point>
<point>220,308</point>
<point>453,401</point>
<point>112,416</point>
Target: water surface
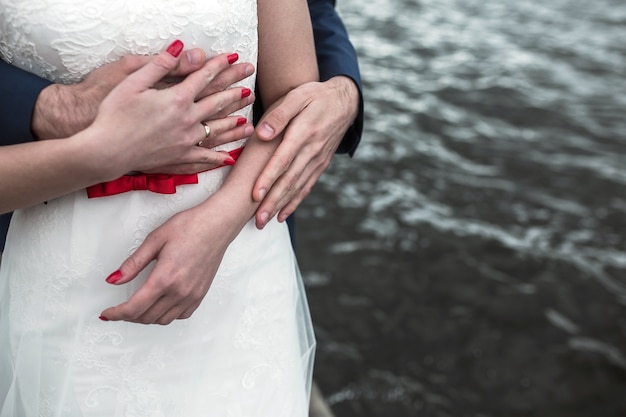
<point>471,259</point>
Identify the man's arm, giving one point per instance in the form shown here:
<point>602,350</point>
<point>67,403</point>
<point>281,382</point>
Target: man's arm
<point>16,109</point>
<point>318,119</point>
<point>336,57</point>
<point>17,104</point>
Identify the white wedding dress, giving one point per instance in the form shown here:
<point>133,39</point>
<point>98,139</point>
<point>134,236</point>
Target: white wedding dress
<point>246,351</point>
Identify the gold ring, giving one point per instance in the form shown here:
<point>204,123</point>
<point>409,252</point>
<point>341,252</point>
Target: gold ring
<point>207,132</point>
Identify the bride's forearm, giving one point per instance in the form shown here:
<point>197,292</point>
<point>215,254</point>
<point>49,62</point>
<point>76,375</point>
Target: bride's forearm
<point>32,173</point>
<point>285,62</point>
<point>234,197</point>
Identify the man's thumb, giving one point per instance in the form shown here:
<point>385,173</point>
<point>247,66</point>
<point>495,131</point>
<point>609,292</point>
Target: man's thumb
<point>150,74</point>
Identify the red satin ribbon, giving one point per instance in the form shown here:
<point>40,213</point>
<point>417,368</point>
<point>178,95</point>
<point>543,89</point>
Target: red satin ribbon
<point>157,183</point>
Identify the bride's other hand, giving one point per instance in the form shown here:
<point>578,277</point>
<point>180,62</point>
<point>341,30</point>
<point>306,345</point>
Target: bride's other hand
<point>183,273</point>
<point>314,117</point>
<point>165,124</point>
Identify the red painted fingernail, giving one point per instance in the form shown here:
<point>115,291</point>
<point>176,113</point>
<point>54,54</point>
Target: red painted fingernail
<point>229,161</point>
<point>245,92</point>
<point>114,277</point>
<point>232,58</point>
<point>242,121</point>
<point>175,48</point>
<point>103,318</point>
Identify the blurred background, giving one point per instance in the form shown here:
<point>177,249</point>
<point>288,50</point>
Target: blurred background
<point>470,260</point>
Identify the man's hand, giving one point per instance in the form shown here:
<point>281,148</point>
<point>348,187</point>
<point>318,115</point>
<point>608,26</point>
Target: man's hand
<point>63,110</point>
<point>315,117</point>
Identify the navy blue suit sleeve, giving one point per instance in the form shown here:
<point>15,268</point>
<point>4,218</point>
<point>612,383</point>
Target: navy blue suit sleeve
<point>18,92</point>
<point>336,56</point>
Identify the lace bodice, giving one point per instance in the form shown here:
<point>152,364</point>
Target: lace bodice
<point>64,40</point>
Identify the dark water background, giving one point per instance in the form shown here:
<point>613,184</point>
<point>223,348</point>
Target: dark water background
<point>471,259</point>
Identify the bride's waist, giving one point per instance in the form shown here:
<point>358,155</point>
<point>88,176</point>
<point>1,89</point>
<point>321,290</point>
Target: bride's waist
<point>156,183</point>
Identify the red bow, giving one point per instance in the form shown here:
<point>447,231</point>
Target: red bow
<point>157,183</point>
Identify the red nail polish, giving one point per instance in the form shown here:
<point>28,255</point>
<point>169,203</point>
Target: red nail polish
<point>103,318</point>
<point>245,92</point>
<point>232,58</point>
<point>175,48</point>
<point>229,161</point>
<point>242,121</point>
<point>114,277</point>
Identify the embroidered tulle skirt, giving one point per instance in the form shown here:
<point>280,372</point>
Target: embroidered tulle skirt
<point>246,351</point>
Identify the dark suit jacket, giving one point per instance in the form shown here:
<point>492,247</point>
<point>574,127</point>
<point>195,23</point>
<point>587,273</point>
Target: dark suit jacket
<point>335,54</point>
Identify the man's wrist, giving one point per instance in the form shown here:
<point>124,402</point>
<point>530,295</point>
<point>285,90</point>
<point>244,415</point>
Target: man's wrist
<point>57,113</point>
<point>349,92</point>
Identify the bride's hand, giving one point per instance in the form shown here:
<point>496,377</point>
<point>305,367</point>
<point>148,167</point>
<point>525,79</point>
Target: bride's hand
<point>150,128</point>
<point>224,130</point>
<point>63,110</point>
<point>185,267</point>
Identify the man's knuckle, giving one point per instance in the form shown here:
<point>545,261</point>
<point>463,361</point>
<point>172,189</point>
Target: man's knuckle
<point>279,116</point>
<point>282,162</point>
<point>291,182</point>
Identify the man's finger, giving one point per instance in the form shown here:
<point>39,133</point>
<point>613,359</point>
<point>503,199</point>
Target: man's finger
<point>304,191</point>
<point>189,62</point>
<point>276,166</point>
<point>283,190</point>
<point>292,146</point>
<point>276,120</point>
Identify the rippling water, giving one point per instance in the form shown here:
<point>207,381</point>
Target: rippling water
<point>471,259</point>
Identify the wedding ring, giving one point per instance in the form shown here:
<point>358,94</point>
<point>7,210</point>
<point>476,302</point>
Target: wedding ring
<point>207,132</point>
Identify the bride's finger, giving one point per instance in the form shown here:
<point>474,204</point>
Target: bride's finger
<point>151,73</point>
<point>170,315</point>
<point>234,107</point>
<point>215,160</point>
<point>218,104</point>
<point>227,78</point>
<point>189,311</point>
<point>198,81</point>
<point>227,130</point>
<point>132,309</point>
<point>163,311</point>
